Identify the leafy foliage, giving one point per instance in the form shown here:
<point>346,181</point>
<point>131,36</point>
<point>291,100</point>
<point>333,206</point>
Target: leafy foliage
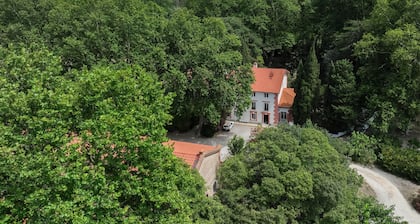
<point>402,161</point>
<point>274,22</point>
<point>209,79</point>
<point>196,58</point>
<point>308,87</point>
<point>125,52</point>
<point>86,146</point>
<point>389,52</point>
<point>285,171</point>
<point>341,98</point>
<point>372,212</point>
<point>236,144</point>
<point>364,148</point>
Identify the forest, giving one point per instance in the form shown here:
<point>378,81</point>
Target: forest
<point>89,89</point>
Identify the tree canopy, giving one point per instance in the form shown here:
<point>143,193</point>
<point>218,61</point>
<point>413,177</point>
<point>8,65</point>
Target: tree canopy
<point>88,88</point>
<point>86,146</point>
<point>294,175</point>
<point>193,46</point>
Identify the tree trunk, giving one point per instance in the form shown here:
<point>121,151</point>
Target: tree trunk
<point>200,125</point>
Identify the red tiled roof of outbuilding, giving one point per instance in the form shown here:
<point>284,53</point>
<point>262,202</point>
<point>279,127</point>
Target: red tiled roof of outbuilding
<point>287,97</point>
<point>189,152</point>
<point>268,80</point>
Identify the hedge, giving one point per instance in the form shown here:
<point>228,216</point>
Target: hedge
<point>403,162</point>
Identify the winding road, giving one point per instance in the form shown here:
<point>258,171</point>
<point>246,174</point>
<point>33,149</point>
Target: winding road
<point>388,194</point>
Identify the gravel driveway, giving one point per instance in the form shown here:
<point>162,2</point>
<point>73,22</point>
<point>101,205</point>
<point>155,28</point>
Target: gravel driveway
<point>220,138</point>
<point>387,193</point>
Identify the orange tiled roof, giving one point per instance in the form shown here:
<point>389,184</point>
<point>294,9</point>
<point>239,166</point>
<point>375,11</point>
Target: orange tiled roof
<point>268,80</point>
<point>287,97</point>
<point>189,152</point>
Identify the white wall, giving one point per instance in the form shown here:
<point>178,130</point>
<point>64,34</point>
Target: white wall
<point>283,110</point>
<point>208,170</point>
<point>260,100</point>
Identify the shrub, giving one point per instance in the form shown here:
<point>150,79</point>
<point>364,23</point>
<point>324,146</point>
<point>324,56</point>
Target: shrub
<point>364,148</point>
<point>404,162</point>
<point>342,146</point>
<point>208,130</point>
<point>236,144</point>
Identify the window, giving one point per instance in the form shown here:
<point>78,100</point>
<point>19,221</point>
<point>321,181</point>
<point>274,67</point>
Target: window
<point>253,93</point>
<point>266,106</point>
<point>266,95</point>
<point>254,105</point>
<point>283,116</point>
<point>253,116</point>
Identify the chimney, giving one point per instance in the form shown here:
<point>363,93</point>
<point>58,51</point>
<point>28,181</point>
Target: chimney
<point>255,65</point>
<point>271,74</point>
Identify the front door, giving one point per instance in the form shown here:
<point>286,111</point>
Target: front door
<point>266,118</point>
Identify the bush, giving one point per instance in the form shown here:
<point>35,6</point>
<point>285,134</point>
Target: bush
<point>364,148</point>
<point>208,130</point>
<point>236,144</point>
<point>402,161</point>
<point>343,147</point>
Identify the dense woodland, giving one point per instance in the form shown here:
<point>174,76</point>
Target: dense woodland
<point>89,89</point>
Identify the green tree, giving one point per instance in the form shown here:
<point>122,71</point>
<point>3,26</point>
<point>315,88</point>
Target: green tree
<point>88,32</point>
<point>285,170</point>
<point>365,148</point>
<point>293,175</point>
<point>308,89</point>
<point>86,146</point>
<point>211,78</point>
<point>36,99</point>
<point>273,21</point>
<point>236,144</point>
<point>390,73</point>
<point>251,42</point>
<point>341,97</point>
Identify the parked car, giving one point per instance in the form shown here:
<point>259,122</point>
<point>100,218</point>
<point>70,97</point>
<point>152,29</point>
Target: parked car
<point>227,126</point>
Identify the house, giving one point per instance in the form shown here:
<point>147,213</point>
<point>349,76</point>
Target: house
<point>285,105</point>
<point>204,158</point>
<point>272,101</point>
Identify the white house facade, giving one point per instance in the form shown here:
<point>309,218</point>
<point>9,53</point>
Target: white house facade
<point>271,99</point>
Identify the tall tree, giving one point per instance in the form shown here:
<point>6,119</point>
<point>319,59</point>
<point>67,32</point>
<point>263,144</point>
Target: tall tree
<point>211,78</point>
<point>341,97</point>
<point>274,22</point>
<point>86,146</point>
<point>390,73</point>
<point>312,69</point>
<point>308,91</point>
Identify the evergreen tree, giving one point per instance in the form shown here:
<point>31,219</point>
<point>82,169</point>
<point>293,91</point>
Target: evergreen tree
<point>297,85</point>
<point>308,88</point>
<point>312,69</point>
<point>341,95</point>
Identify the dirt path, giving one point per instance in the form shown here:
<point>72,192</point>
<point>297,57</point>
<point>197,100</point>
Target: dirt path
<point>388,194</point>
